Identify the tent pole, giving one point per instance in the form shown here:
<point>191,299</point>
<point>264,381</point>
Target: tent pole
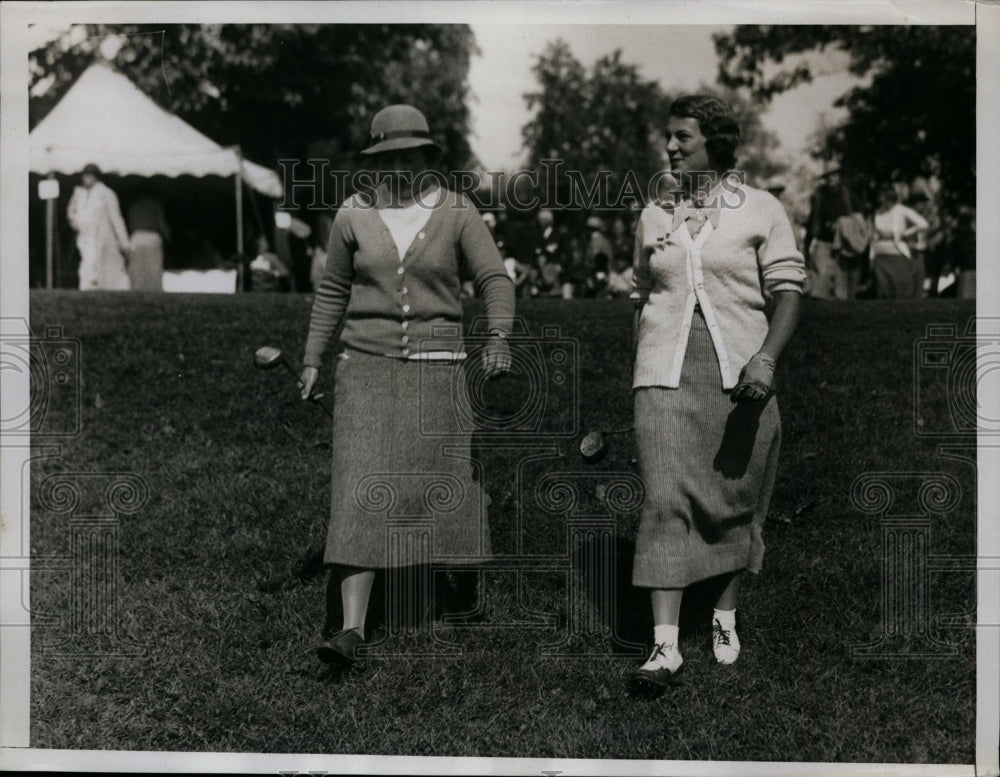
<point>50,218</point>
<point>239,218</point>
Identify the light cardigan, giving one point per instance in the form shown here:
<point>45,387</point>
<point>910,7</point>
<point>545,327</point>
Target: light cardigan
<point>400,308</point>
<point>728,271</point>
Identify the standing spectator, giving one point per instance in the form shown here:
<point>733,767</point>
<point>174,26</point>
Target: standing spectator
<point>707,425</point>
<point>150,231</point>
<point>892,258</point>
<point>549,253</point>
<point>852,234</point>
<point>829,202</point>
<point>964,252</point>
<point>926,243</point>
<point>101,236</point>
<point>395,261</point>
<point>597,255</point>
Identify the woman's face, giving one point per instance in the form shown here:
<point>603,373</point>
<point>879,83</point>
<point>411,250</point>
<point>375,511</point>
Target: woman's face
<point>686,146</point>
<point>88,180</point>
<point>402,167</point>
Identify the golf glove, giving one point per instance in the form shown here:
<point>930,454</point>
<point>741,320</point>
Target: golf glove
<point>756,379</point>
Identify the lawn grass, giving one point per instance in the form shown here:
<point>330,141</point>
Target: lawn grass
<point>237,472</point>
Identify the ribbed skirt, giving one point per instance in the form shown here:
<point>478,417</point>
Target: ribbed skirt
<point>403,485</point>
<point>708,466</point>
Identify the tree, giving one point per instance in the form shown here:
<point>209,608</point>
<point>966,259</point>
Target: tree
<point>916,116</point>
<point>610,121</point>
<point>281,90</point>
<point>601,123</point>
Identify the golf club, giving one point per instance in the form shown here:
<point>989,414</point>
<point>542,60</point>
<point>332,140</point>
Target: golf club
<point>595,447</point>
<point>268,357</point>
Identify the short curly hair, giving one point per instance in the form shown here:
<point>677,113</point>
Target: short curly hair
<point>717,123</point>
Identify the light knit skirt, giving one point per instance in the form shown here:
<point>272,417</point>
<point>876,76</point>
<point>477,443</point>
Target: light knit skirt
<point>403,486</point>
<point>708,466</point>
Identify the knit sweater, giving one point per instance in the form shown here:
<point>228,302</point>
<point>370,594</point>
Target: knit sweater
<point>728,271</point>
<point>402,308</point>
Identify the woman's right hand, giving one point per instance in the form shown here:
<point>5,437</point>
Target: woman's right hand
<point>307,381</point>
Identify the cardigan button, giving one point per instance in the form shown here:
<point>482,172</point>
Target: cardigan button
<point>400,270</point>
<point>404,290</point>
<point>420,235</point>
<point>405,339</point>
<point>406,308</point>
<point>406,352</point>
<point>405,325</point>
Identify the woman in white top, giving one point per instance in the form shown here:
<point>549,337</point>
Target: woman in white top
<point>897,275</point>
<point>706,420</point>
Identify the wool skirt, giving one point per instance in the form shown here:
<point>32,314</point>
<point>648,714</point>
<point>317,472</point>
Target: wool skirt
<point>403,485</point>
<point>708,466</point>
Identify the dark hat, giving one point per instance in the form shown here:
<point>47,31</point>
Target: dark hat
<point>398,127</point>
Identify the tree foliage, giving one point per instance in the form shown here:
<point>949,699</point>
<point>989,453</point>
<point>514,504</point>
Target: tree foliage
<point>282,90</point>
<point>611,119</point>
<point>602,120</point>
<point>916,114</point>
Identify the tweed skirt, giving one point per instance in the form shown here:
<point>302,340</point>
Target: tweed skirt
<point>403,485</point>
<point>708,466</point>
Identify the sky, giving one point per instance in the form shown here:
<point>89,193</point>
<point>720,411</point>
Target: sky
<point>679,57</point>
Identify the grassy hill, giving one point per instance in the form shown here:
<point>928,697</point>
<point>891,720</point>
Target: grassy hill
<point>232,472</point>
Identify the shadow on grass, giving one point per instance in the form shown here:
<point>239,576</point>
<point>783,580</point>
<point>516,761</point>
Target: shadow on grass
<point>625,612</point>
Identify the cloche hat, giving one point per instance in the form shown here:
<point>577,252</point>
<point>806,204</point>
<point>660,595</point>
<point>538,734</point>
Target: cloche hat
<point>397,127</point>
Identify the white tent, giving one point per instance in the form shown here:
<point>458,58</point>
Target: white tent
<point>106,119</point>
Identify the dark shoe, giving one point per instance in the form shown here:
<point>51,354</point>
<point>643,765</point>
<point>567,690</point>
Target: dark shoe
<point>659,671</point>
<point>654,679</point>
<point>341,648</point>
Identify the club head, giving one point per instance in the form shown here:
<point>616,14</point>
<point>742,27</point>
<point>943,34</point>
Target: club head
<point>267,358</point>
<point>593,447</point>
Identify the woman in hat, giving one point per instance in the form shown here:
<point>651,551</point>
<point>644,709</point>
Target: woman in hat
<point>396,258</point>
<point>707,261</point>
<point>101,236</point>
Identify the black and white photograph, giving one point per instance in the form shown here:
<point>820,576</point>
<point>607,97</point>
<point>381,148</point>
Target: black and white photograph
<point>500,388</point>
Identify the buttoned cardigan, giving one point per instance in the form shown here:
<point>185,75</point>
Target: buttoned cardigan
<point>402,308</point>
<point>728,271</point>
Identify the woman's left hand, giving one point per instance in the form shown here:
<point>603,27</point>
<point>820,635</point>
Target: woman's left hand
<point>756,379</point>
<point>496,357</point>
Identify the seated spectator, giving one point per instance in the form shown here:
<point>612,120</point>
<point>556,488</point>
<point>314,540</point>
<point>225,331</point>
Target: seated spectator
<point>268,272</point>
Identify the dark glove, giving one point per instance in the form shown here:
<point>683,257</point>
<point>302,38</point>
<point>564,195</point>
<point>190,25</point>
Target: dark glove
<point>756,379</point>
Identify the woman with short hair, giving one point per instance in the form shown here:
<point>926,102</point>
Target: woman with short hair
<point>708,260</point>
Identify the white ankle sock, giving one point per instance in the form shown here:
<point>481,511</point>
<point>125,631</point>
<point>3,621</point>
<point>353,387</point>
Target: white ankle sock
<point>665,634</point>
<point>726,618</point>
<point>666,654</point>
